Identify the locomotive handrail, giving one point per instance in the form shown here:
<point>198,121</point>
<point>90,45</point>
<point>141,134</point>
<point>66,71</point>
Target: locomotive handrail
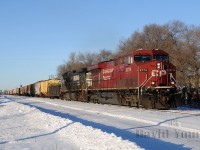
<point>143,84</point>
<point>171,77</point>
<point>146,82</point>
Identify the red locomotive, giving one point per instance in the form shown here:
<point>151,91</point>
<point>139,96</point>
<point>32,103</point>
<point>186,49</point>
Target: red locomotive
<point>143,78</point>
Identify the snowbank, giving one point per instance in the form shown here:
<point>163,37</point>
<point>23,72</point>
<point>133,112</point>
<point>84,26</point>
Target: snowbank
<point>24,127</point>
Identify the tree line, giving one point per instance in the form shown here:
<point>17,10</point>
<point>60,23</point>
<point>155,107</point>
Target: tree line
<point>180,40</point>
<point>81,60</point>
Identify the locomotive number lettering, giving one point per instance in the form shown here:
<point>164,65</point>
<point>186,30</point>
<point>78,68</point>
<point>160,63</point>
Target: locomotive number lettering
<point>143,70</point>
<point>106,77</point>
<point>154,73</point>
<point>128,69</point>
<point>108,70</point>
<point>76,78</point>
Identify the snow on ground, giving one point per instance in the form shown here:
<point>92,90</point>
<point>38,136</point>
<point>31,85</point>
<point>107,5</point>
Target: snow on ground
<point>77,125</point>
<point>25,127</point>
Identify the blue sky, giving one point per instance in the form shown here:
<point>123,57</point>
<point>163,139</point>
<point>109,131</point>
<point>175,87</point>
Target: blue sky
<point>38,35</point>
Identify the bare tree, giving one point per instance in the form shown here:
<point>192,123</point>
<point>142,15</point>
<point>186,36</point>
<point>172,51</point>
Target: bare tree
<point>61,69</point>
<point>104,55</point>
<point>82,60</point>
<point>192,47</point>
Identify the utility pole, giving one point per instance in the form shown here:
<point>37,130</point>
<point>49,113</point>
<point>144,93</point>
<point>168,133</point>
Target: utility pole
<point>52,76</point>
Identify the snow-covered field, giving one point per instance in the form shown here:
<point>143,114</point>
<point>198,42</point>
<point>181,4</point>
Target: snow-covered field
<point>53,124</point>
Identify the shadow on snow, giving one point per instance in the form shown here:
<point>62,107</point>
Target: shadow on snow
<point>149,143</point>
<point>37,136</point>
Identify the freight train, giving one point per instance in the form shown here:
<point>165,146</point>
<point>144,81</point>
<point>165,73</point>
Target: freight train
<point>144,78</point>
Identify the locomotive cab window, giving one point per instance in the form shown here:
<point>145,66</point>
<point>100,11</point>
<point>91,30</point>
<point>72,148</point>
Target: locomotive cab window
<point>161,57</point>
<point>142,58</point>
<point>122,60</point>
<point>129,60</point>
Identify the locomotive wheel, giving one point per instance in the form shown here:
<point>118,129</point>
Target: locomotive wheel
<point>83,98</point>
<point>131,103</point>
<point>163,101</point>
<point>61,97</point>
<point>153,100</point>
<point>133,100</point>
<point>76,96</point>
<point>66,97</point>
<point>121,98</point>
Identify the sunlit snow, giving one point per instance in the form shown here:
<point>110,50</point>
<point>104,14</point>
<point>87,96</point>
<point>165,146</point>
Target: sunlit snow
<point>38,123</point>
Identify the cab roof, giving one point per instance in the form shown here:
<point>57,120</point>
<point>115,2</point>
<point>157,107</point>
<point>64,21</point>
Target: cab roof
<point>150,52</point>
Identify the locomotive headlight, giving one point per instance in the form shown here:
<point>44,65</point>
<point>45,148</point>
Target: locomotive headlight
<point>172,83</point>
<point>152,83</point>
<point>158,65</point>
